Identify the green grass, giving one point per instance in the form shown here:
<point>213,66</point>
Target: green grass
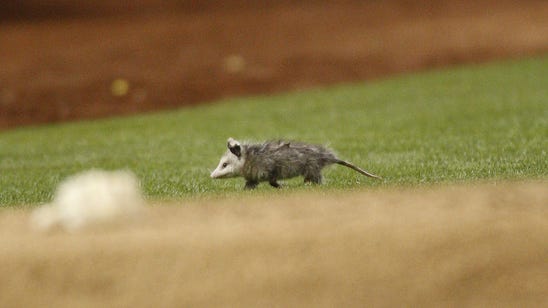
<point>465,124</point>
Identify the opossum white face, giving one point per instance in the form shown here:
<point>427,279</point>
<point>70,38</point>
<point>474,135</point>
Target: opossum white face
<point>231,163</point>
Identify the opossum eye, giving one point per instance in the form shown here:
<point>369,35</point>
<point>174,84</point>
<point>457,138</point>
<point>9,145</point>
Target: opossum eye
<point>225,164</point>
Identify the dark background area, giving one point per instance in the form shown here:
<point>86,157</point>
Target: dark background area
<point>63,60</point>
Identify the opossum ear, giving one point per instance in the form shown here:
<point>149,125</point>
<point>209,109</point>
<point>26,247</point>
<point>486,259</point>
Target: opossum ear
<point>234,147</point>
<point>236,150</point>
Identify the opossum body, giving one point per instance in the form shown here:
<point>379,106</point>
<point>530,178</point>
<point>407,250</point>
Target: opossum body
<point>276,160</point>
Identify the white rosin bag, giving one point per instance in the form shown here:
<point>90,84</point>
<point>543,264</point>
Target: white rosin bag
<point>90,198</point>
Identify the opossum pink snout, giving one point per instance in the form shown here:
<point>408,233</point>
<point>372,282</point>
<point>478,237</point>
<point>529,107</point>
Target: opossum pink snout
<point>216,174</point>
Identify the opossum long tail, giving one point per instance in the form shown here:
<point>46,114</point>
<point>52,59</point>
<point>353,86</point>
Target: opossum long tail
<point>349,165</point>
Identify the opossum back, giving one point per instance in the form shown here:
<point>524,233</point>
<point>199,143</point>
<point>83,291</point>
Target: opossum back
<point>296,152</point>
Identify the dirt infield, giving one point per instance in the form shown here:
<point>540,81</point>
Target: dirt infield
<point>482,245</point>
<point>59,59</point>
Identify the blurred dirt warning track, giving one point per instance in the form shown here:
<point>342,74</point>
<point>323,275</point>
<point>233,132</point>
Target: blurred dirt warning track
<point>472,245</point>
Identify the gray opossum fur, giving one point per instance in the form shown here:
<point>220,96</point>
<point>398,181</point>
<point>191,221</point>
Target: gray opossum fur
<point>276,160</point>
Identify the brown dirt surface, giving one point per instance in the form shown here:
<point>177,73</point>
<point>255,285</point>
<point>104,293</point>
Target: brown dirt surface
<point>59,59</point>
<point>475,245</point>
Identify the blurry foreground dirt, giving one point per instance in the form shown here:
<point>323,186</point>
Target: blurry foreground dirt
<point>65,60</point>
<point>482,245</point>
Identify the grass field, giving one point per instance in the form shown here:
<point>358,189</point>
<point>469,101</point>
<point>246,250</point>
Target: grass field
<point>465,124</point>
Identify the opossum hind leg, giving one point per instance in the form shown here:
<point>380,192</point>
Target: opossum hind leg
<point>274,183</point>
<point>314,178</point>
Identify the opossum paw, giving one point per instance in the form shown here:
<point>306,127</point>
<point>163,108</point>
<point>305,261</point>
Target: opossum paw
<point>249,185</point>
<point>312,181</point>
<point>275,184</point>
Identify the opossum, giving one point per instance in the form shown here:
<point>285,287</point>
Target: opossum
<point>276,160</point>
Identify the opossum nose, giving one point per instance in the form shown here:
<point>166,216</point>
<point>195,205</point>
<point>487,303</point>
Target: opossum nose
<point>212,175</point>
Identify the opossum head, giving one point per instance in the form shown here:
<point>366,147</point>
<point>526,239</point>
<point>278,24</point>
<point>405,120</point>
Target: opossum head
<point>231,163</point>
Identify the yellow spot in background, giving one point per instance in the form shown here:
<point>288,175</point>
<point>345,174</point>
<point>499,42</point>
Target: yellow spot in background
<point>119,87</point>
<point>234,64</point>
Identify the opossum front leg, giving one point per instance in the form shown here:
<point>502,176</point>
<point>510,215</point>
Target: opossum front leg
<point>273,178</point>
<point>251,184</point>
